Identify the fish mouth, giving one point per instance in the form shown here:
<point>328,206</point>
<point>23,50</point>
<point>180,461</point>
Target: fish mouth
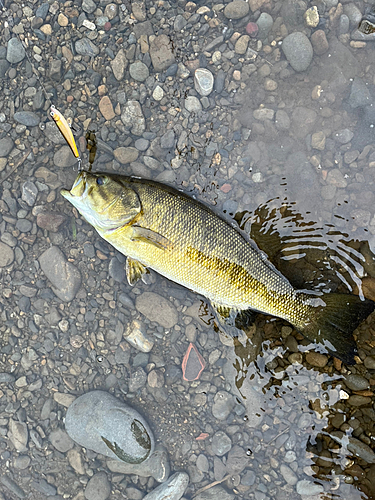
<point>78,189</point>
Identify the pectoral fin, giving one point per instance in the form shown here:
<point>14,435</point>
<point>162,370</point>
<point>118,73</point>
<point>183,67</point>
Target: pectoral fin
<point>148,236</point>
<point>136,271</point>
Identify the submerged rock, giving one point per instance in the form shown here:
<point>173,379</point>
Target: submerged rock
<point>99,421</point>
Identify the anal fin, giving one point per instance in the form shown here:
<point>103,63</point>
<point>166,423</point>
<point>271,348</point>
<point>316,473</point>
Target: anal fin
<point>135,271</point>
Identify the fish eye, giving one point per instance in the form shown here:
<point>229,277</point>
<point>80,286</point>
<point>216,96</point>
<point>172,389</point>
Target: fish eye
<point>100,181</point>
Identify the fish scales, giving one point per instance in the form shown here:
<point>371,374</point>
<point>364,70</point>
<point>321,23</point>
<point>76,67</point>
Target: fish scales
<point>159,227</point>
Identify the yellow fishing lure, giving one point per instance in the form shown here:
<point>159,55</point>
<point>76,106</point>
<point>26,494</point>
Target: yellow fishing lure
<point>65,130</point>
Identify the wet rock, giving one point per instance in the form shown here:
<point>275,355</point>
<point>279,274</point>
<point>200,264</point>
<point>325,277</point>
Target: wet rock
<point>264,23</point>
<point>344,136</point>
<point>6,255</point>
<point>64,158</point>
<point>43,487</point>
<point>215,493</point>
<point>236,10</point>
<point>125,155</point>
<point>76,461</point>
<point>156,466</point>
<point>357,400</point>
<point>132,117</point>
<point>86,47</point>
<point>136,335</point>
<point>359,94</point>
<point>12,486</point>
<point>192,364</point>
<point>27,118</point>
<point>106,108</point>
<point>360,217</point>
<point>64,276</point>
<point>116,269</point>
<point>51,221</point>
<point>288,475</point>
<point>203,81</point>
<point>15,51</point>
<point>29,193</point>
<point>88,6</point>
<point>161,53</point>
<point>158,93</point>
<point>98,488</point>
<point>155,379</point>
<point>361,449</point>
<point>173,489</point>
<point>306,487</point>
<point>24,225</point>
<point>303,120</point>
<point>237,460</point>
<point>167,140</point>
<point>298,50</point>
<point>6,146</point>
<point>370,362</point>
<point>336,178</point>
<point>139,71</point>
<point>356,382</point>
<point>319,42</point>
<point>119,64</point>
<point>21,462</point>
<point>157,308</point>
<point>60,440</point>
<point>221,443</point>
<point>316,359</point>
<point>192,104</point>
<point>18,435</point>
<point>223,405</point>
<point>242,44</point>
<point>42,10</point>
<point>137,380</point>
<point>106,425</point>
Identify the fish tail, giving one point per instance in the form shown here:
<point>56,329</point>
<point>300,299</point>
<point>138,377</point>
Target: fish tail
<point>333,324</point>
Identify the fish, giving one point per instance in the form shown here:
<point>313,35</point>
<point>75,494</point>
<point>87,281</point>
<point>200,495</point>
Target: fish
<point>162,228</point>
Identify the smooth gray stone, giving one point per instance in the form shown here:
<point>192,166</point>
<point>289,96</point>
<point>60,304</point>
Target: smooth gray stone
<point>298,50</point>
<point>27,118</point>
<point>99,421</point>
<point>85,47</point>
<point>6,146</point>
<point>173,489</point>
<point>15,51</point>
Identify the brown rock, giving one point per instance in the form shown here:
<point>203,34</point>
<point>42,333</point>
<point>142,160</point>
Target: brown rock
<point>319,42</point>
<point>50,221</point>
<point>119,64</point>
<point>316,359</point>
<point>125,155</point>
<point>106,108</point>
<point>161,53</point>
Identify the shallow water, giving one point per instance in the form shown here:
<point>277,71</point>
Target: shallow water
<point>292,181</point>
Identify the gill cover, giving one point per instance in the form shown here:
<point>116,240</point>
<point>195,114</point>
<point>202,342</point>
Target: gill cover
<point>104,202</point>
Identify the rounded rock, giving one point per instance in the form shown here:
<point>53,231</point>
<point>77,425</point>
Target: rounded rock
<point>264,23</point>
<point>6,255</point>
<point>192,104</point>
<point>15,51</point>
<point>99,421</point>
<point>204,81</point>
<point>98,488</point>
<point>126,155</point>
<point>139,71</point>
<point>298,51</point>
<point>221,443</point>
<point>236,10</point>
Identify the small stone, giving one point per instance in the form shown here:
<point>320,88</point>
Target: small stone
<point>202,463</point>
<point>102,423</point>
<point>61,441</point>
<point>158,93</point>
<point>98,488</point>
<point>344,136</point>
<point>319,42</point>
<point>106,108</point>
<point>203,81</point>
<point>62,20</point>
<point>336,178</point>
<point>27,118</point>
<point>64,158</point>
<point>173,489</point>
<point>15,51</point>
<point>157,308</point>
<point>168,140</point>
<point>369,361</point>
<point>192,104</point>
<point>6,255</point>
<point>270,84</point>
<point>137,380</point>
<point>119,64</point>
<point>6,146</point>
<point>192,364</point>
<point>252,29</point>
<point>21,462</point>
<point>318,141</point>
<point>236,9</point>
<point>161,52</point>
<point>305,487</point>
<point>360,217</point>
<point>288,475</point>
<point>242,44</point>
<point>356,382</point>
<point>316,359</point>
<point>51,221</point>
<point>19,435</point>
<point>125,155</point>
<point>88,6</point>
<point>221,443</point>
<point>263,114</point>
<point>215,493</point>
<point>264,23</point>
<point>155,379</point>
<point>75,461</point>
<point>29,193</point>
<point>64,399</point>
<point>86,47</point>
<point>311,17</point>
<point>357,400</point>
<point>298,50</point>
<point>359,94</point>
<point>223,405</point>
<point>139,71</point>
<point>132,117</point>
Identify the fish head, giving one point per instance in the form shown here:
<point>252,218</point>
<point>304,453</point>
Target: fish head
<point>105,202</point>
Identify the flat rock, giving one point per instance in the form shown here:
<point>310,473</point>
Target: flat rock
<point>157,308</point>
<point>173,489</point>
<point>106,108</point>
<point>64,276</point>
<point>215,493</point>
<point>6,146</point>
<point>236,9</point>
<point>27,118</point>
<point>6,255</point>
<point>161,53</point>
<point>15,51</point>
<point>132,117</point>
<point>203,81</point>
<point>61,441</point>
<point>99,421</point>
<point>86,47</point>
<point>119,64</point>
<point>126,155</point>
<point>64,158</point>
<point>298,50</point>
<point>156,466</point>
<point>139,71</point>
<point>98,488</point>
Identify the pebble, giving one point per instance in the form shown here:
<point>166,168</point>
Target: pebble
<point>102,423</point>
<point>298,51</point>
<point>12,486</point>
<point>158,93</point>
<point>132,117</point>
<point>139,71</point>
<point>6,255</point>
<point>43,487</point>
<point>288,475</point>
<point>60,440</point>
<point>236,10</point>
<point>319,42</point>
<point>24,225</point>
<point>223,405</point>
<point>27,118</point>
<point>369,361</point>
<point>98,487</point>
<point>6,146</point>
<point>64,158</point>
<point>357,400</point>
<point>264,23</point>
<point>29,193</point>
<point>311,17</point>
<point>142,144</point>
<point>172,489</point>
<point>344,136</point>
<point>157,308</point>
<point>359,94</point>
<point>252,30</point>
<point>155,379</point>
<point>15,51</point>
<point>119,64</point>
<point>356,382</point>
<point>204,81</point>
<point>106,108</point>
<point>86,47</point>
<point>316,359</point>
<point>215,493</point>
<point>221,443</point>
<point>19,435</point>
<point>136,335</point>
<point>64,276</point>
<point>51,221</point>
<point>241,45</point>
<point>75,461</point>
<point>192,104</point>
<point>156,466</point>
<point>161,53</point>
<point>126,155</point>
<point>305,487</point>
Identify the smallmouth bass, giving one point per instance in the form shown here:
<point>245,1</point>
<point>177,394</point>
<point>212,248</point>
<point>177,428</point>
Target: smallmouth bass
<point>161,228</point>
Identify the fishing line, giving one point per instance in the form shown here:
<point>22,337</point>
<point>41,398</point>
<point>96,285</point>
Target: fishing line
<point>60,121</point>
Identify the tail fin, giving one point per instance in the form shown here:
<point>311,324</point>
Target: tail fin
<point>333,324</point>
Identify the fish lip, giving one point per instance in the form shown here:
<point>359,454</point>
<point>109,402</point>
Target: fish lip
<point>80,178</point>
